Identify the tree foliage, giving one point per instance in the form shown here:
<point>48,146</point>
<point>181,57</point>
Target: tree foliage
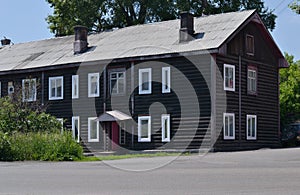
<point>290,91</point>
<point>295,6</point>
<point>99,15</point>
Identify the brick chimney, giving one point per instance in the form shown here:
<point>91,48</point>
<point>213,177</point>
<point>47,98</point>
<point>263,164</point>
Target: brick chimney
<point>186,31</point>
<point>5,41</point>
<point>80,44</point>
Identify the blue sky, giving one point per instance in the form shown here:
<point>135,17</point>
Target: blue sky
<point>24,20</point>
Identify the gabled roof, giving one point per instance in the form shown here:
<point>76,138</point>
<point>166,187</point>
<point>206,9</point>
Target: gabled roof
<point>130,42</point>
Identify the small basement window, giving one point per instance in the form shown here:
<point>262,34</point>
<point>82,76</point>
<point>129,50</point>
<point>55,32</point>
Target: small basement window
<point>250,45</point>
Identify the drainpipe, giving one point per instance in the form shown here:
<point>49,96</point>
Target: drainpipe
<point>132,102</point>
<point>43,87</point>
<point>240,100</point>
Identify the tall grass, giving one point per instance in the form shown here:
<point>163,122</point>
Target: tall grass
<point>39,146</point>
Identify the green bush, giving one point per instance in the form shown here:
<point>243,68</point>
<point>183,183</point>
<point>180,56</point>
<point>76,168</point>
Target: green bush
<point>40,146</point>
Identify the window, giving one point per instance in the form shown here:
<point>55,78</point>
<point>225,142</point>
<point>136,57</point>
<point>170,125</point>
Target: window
<point>250,45</point>
<point>76,128</point>
<point>229,77</point>
<point>166,79</point>
<point>144,129</point>
<point>29,90</point>
<point>61,120</point>
<point>251,127</point>
<point>165,127</point>
<point>228,126</point>
<point>122,133</point>
<point>75,86</point>
<point>252,80</point>
<point>93,129</point>
<point>10,88</point>
<point>0,90</point>
<point>93,85</point>
<point>56,89</point>
<point>117,83</point>
<point>145,81</point>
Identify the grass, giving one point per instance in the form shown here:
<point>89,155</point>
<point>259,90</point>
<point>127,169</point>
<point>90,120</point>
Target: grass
<point>126,156</point>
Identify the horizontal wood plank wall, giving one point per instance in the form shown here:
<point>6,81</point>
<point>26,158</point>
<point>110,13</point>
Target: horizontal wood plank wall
<point>264,104</point>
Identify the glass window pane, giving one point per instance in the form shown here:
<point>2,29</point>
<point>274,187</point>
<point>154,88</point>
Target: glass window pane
<point>144,128</point>
<point>93,129</point>
<point>230,126</point>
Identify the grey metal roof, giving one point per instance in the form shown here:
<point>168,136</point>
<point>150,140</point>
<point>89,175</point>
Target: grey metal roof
<point>114,115</point>
<point>134,41</point>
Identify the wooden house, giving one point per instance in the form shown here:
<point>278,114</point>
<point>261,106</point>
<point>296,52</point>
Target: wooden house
<point>195,83</point>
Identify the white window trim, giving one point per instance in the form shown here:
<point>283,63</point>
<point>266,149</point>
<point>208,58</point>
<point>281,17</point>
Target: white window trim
<point>224,123</point>
<point>117,83</point>
<point>62,88</point>
<point>76,79</point>
<point>166,80</point>
<point>163,129</point>
<point>251,91</point>
<point>23,90</point>
<point>224,77</point>
<point>0,89</point>
<point>149,71</point>
<point>140,139</point>
<point>90,119</point>
<point>61,120</point>
<point>74,118</point>
<point>247,130</point>
<point>90,75</point>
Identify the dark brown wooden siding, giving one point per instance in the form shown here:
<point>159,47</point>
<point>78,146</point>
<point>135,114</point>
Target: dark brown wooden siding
<point>264,104</point>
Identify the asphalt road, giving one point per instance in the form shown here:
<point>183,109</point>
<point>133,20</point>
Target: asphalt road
<point>252,172</point>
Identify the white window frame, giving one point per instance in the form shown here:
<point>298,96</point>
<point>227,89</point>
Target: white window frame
<point>149,71</point>
<point>117,82</point>
<point>0,89</point>
<point>250,87</point>
<point>224,72</point>
<point>164,129</point>
<point>90,120</point>
<point>32,99</point>
<point>61,120</point>
<point>90,94</point>
<point>62,88</point>
<point>249,134</point>
<point>148,138</point>
<point>226,135</point>
<point>166,81</point>
<point>74,119</point>
<point>75,86</point>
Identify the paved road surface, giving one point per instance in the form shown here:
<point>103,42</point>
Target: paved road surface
<point>252,172</point>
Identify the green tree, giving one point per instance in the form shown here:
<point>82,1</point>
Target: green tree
<point>290,91</point>
<point>99,15</point>
<point>295,6</point>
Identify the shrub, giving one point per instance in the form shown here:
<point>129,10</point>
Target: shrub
<point>40,146</point>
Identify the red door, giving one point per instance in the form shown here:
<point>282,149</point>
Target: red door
<point>114,136</point>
